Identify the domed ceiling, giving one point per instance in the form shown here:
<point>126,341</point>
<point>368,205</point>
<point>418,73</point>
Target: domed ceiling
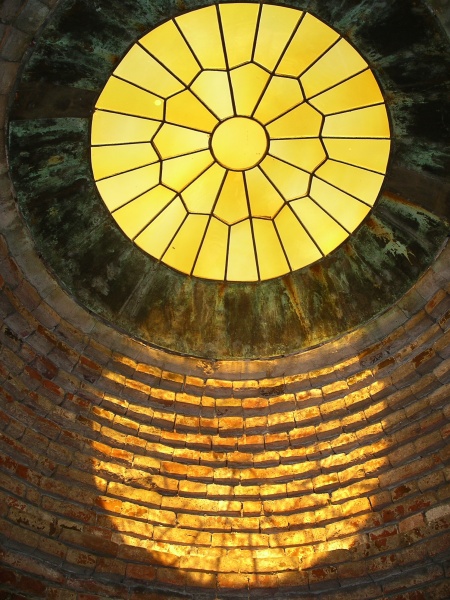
<point>230,311</point>
<point>174,431</point>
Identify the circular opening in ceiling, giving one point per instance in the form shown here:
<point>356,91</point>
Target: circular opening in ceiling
<point>240,142</point>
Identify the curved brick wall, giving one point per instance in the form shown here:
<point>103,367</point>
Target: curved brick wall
<point>129,473</point>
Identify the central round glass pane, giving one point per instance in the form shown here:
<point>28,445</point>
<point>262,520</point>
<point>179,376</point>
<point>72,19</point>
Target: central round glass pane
<point>239,143</point>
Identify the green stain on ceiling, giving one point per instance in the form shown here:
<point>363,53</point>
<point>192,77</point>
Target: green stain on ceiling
<point>81,244</point>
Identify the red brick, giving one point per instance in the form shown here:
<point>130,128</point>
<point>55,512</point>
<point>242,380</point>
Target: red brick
<point>81,558</point>
<point>293,578</point>
<point>202,580</point>
<point>262,580</point>
<point>232,580</point>
<point>142,572</point>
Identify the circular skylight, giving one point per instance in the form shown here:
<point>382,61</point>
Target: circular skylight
<point>240,142</point>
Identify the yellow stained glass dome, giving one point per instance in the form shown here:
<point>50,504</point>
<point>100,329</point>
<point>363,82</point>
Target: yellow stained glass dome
<point>240,142</point>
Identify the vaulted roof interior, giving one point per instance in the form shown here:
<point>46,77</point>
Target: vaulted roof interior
<point>223,433</point>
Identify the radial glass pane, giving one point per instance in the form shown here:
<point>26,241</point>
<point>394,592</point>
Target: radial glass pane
<point>241,254</point>
<point>173,140</point>
<point>303,121</point>
<point>119,189</point>
<point>113,128</point>
<point>311,39</point>
<point>282,94</point>
<point>239,28</point>
<point>211,260</point>
<point>137,214</point>
<point>157,236</point>
<point>363,184</point>
<point>232,204</point>
<point>276,26</point>
<point>168,45</point>
<point>299,247</point>
<point>143,70</point>
<point>271,258</point>
<point>340,62</point>
<point>183,248</point>
<point>177,173</point>
<point>345,209</point>
<point>201,195</point>
<point>289,181</point>
<point>265,200</point>
<point>123,97</point>
<point>361,90</point>
<point>306,154</point>
<point>213,88</point>
<point>106,160</point>
<point>323,229</point>
<point>185,109</point>
<point>202,32</point>
<point>371,154</point>
<point>248,84</point>
<point>362,123</point>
